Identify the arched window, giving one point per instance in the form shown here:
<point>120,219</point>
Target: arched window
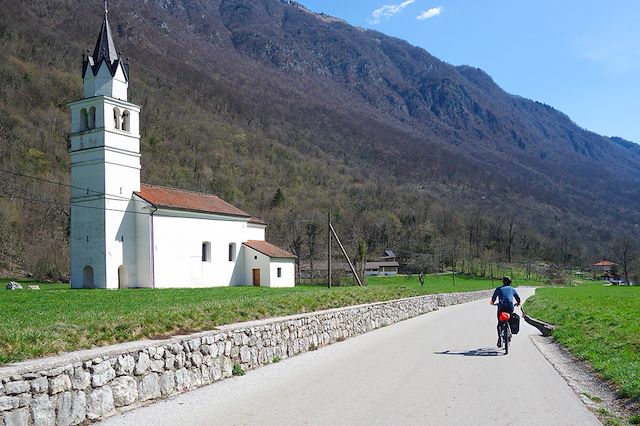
<point>126,121</point>
<point>232,252</point>
<point>123,282</point>
<point>87,277</point>
<point>84,119</point>
<point>92,118</point>
<point>206,251</point>
<point>116,118</point>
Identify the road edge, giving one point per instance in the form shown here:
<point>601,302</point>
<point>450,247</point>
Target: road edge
<point>597,394</point>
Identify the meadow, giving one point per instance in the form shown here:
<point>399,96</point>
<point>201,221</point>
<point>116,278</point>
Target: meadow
<point>598,324</point>
<point>56,319</point>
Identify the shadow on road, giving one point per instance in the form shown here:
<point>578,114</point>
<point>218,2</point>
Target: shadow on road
<point>474,352</point>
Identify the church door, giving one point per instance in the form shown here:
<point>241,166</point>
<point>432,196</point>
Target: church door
<point>256,277</point>
<point>122,277</point>
<point>87,277</point>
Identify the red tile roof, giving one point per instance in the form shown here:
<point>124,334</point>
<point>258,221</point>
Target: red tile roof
<point>268,249</point>
<point>604,263</point>
<point>180,199</point>
<point>257,221</point>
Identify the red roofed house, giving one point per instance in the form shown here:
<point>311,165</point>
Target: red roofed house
<point>603,265</point>
<point>128,234</point>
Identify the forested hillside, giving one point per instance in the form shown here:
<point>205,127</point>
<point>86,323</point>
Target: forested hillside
<point>289,115</point>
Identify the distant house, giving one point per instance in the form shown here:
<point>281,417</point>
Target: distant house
<point>383,268</point>
<point>389,256</point>
<point>603,265</point>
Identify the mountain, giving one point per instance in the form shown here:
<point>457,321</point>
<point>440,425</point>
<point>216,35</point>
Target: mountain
<point>243,97</point>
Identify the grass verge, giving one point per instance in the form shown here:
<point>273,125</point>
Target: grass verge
<point>598,324</point>
<point>57,319</point>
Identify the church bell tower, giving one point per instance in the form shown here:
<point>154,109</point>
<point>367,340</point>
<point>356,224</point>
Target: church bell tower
<point>105,171</point>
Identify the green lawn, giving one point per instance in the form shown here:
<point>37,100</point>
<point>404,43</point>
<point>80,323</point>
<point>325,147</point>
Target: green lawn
<point>598,324</point>
<point>57,319</point>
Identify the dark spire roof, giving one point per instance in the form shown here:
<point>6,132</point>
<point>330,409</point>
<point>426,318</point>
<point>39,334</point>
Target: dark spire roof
<point>105,51</point>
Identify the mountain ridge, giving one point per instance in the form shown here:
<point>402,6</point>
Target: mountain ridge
<point>241,98</point>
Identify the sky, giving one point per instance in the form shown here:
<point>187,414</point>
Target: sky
<point>580,56</point>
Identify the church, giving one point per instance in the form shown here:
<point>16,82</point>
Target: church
<point>125,233</point>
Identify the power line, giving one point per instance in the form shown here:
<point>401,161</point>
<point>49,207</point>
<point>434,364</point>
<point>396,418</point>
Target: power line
<point>106,195</point>
<point>59,203</point>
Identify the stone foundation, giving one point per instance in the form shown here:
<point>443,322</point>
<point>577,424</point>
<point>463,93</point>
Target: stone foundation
<point>85,386</point>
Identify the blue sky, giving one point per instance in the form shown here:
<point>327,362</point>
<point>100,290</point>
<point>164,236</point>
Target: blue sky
<point>579,56</point>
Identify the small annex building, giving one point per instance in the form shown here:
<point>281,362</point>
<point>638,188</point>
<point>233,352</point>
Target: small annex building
<point>128,234</point>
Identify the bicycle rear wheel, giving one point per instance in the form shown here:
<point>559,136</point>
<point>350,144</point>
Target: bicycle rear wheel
<point>505,338</point>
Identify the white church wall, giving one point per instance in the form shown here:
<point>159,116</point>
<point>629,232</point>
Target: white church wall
<point>256,260</point>
<point>178,239</point>
<point>287,273</point>
<point>256,232</point>
<point>103,84</point>
<point>87,242</point>
<point>120,236</point>
<point>143,242</point>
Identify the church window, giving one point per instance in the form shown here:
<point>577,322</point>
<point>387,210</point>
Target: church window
<point>92,118</point>
<point>84,119</point>
<point>232,252</point>
<point>279,272</point>
<point>116,118</point>
<point>126,121</point>
<point>206,251</point>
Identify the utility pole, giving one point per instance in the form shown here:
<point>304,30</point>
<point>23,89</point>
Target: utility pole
<point>329,249</point>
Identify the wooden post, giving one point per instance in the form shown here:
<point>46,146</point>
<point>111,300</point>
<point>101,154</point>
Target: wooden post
<point>344,252</point>
<point>329,250</point>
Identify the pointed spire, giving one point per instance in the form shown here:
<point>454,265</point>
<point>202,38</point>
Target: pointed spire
<point>105,48</point>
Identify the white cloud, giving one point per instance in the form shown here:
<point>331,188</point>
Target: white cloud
<point>428,14</point>
<point>388,11</point>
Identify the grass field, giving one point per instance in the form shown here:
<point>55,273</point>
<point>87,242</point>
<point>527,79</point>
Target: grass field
<point>598,324</point>
<point>57,319</point>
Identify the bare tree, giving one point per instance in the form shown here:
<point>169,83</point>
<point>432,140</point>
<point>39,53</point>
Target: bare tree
<point>511,235</point>
<point>313,230</point>
<point>625,253</point>
<point>295,245</point>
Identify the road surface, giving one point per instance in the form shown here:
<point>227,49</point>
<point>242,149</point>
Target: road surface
<point>442,368</point>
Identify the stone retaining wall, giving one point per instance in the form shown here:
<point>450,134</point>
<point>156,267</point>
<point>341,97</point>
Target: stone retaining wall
<point>85,386</point>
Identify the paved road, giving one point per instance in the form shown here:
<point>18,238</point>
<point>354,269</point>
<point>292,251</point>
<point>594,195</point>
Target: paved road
<point>442,368</point>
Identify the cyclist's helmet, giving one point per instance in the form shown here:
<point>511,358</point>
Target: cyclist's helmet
<point>506,280</point>
<point>504,316</point>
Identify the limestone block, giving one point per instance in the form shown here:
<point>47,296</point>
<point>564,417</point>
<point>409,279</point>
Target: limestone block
<point>102,378</point>
<point>39,385</point>
<point>81,379</point>
<point>182,380</point>
<point>71,408</point>
<point>9,402</point>
<point>142,365</point>
<point>196,359</point>
<point>100,403</point>
<point>149,387</point>
<point>24,399</point>
<point>194,344</point>
<point>43,411</point>
<point>169,360</point>
<point>157,365</point>
<point>167,383</point>
<point>19,417</point>
<point>59,384</point>
<point>124,390</point>
<point>213,350</point>
<point>245,356</point>
<point>14,388</point>
<point>204,349</point>
<point>159,352</point>
<point>125,365</point>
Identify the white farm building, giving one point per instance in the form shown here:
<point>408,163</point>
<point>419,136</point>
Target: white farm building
<point>128,234</point>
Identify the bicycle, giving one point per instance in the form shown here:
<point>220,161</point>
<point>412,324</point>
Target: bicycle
<point>505,330</point>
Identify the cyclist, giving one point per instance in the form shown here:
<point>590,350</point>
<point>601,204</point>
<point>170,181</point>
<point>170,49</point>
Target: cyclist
<point>505,295</point>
